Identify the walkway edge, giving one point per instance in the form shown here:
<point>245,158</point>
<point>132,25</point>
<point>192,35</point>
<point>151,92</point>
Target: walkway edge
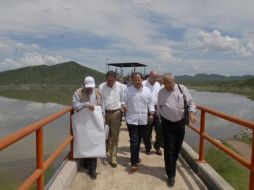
<point>212,179</point>
<point>66,176</point>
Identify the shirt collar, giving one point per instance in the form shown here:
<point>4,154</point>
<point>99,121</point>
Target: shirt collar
<point>114,86</point>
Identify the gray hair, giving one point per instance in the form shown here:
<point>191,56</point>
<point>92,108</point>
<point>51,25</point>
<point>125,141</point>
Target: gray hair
<point>166,75</point>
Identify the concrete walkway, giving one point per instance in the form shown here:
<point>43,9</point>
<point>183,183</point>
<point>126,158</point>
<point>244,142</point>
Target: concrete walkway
<point>150,173</point>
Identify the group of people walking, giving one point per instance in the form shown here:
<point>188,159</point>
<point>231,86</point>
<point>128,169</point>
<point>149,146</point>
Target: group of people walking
<point>145,104</point>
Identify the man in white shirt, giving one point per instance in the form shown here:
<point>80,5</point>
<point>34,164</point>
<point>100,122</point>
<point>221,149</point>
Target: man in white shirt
<point>138,102</point>
<point>154,87</point>
<point>87,97</point>
<point>112,97</point>
<point>170,106</point>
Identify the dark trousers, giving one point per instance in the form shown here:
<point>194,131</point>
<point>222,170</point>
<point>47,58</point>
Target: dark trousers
<point>148,134</point>
<point>173,135</point>
<point>136,133</point>
<point>90,163</point>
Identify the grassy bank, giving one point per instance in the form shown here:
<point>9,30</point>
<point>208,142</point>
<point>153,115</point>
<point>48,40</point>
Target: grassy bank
<point>232,171</point>
<point>246,139</point>
<point>8,183</point>
<point>11,176</point>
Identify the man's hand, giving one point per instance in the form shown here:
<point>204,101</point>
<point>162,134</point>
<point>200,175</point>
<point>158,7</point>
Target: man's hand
<point>152,113</point>
<point>91,107</point>
<point>192,118</point>
<point>151,117</point>
<point>125,107</point>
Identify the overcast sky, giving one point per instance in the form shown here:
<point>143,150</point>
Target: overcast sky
<point>179,36</point>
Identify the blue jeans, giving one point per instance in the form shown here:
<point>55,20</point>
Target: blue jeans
<point>136,133</point>
<point>173,135</point>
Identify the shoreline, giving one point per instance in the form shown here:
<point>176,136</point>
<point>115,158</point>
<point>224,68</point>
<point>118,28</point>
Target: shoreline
<point>247,92</point>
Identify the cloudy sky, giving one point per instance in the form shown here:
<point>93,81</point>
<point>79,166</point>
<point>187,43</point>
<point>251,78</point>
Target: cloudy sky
<point>179,36</point>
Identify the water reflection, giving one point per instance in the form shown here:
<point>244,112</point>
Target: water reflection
<point>18,161</point>
<point>236,105</point>
<point>225,102</point>
<point>15,114</point>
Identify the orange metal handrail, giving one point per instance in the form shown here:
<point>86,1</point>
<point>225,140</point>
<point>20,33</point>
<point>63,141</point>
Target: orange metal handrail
<point>42,165</point>
<point>204,136</point>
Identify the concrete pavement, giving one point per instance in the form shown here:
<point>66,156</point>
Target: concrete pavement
<point>150,173</point>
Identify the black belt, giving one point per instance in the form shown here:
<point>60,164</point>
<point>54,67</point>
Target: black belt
<point>112,111</point>
<point>174,122</point>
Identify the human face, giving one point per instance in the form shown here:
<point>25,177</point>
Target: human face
<point>110,81</point>
<point>89,90</point>
<point>152,77</point>
<point>169,83</point>
<point>137,81</point>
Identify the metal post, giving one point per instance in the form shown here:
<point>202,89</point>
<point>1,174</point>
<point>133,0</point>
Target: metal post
<point>107,67</point>
<point>39,157</point>
<point>201,139</point>
<point>251,182</point>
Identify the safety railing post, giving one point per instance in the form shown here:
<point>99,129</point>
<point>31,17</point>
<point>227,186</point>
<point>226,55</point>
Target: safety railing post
<point>251,182</point>
<point>39,157</point>
<point>201,138</point>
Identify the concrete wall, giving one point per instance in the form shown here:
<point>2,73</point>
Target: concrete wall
<point>65,176</point>
<point>212,179</point>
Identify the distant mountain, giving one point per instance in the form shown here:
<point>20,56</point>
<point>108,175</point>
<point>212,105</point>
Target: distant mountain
<point>72,73</point>
<point>244,83</point>
<point>200,79</point>
<point>60,74</point>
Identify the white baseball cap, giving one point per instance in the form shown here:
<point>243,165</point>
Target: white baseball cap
<point>89,82</point>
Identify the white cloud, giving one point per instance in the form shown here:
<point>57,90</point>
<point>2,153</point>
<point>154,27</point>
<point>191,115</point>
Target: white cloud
<point>31,59</point>
<point>134,26</point>
<point>194,66</point>
<point>122,21</point>
<point>226,15</point>
<point>216,42</point>
<point>11,47</point>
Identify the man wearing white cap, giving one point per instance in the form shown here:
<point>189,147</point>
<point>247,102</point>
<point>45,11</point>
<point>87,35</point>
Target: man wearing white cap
<point>88,97</point>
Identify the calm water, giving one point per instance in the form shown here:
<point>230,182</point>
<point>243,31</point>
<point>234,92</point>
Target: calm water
<point>224,102</point>
<point>18,161</point>
<point>15,114</point>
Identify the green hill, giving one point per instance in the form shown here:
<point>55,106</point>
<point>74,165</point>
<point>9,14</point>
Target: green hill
<point>244,83</point>
<point>68,73</point>
<point>211,79</point>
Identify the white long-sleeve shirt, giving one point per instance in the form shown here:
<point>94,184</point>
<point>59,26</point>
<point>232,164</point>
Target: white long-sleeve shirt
<point>78,103</point>
<point>139,103</point>
<point>112,97</point>
<point>171,103</point>
<point>155,88</point>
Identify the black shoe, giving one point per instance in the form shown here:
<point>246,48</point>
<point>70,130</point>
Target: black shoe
<point>92,174</point>
<point>148,152</point>
<point>139,160</point>
<point>133,168</point>
<point>158,151</point>
<point>171,182</point>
